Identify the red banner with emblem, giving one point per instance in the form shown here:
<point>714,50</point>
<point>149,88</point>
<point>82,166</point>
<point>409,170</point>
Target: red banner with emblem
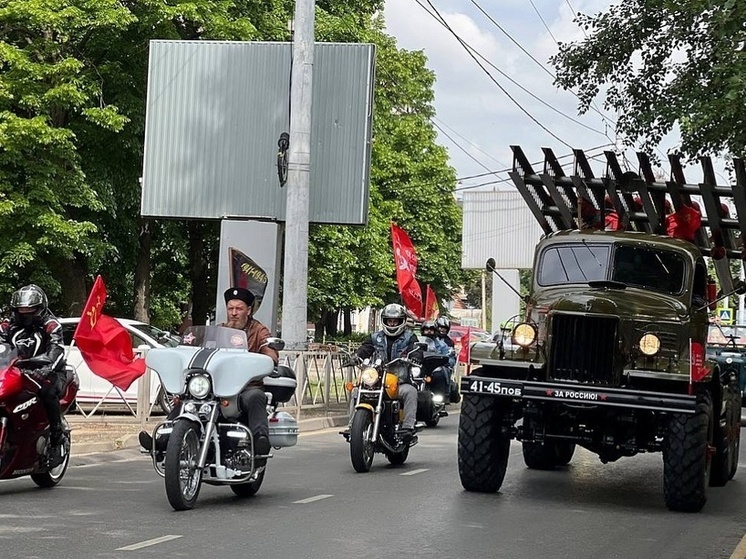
<point>405,259</point>
<point>432,309</point>
<point>104,344</point>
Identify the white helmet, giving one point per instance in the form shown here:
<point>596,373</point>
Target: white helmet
<point>393,320</point>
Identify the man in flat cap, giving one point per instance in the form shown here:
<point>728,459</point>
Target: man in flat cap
<point>239,306</point>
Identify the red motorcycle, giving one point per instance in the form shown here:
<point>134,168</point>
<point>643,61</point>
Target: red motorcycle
<point>24,427</point>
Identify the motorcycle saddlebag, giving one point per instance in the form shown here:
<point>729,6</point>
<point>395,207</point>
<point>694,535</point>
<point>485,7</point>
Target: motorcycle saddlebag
<point>283,429</point>
<point>281,384</point>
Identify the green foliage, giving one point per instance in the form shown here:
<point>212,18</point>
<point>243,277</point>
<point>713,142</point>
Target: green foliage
<point>664,63</point>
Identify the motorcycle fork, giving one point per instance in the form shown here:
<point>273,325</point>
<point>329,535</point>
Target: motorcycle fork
<point>377,419</point>
<point>3,432</point>
<point>209,430</point>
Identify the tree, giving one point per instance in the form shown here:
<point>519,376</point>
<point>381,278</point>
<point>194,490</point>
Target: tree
<point>665,63</point>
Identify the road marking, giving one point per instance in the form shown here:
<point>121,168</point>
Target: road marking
<point>147,543</point>
<point>312,499</point>
<point>414,472</point>
<point>740,551</point>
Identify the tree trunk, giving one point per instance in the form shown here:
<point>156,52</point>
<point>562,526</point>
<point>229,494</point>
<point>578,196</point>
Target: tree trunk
<point>330,322</point>
<point>71,275</point>
<point>347,314</point>
<point>318,333</point>
<point>198,273</point>
<point>142,273</point>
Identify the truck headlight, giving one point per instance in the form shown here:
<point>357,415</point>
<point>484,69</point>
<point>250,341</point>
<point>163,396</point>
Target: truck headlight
<point>524,335</point>
<point>650,344</point>
<point>199,386</point>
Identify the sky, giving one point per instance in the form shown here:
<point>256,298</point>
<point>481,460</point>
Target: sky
<point>476,121</point>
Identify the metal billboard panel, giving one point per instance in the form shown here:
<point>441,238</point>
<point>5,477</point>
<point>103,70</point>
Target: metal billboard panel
<point>498,225</point>
<point>215,111</point>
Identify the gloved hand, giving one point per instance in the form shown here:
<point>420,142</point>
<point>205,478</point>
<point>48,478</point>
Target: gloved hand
<point>41,375</point>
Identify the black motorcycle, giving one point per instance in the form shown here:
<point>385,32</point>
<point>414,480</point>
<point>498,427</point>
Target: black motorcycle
<point>431,401</point>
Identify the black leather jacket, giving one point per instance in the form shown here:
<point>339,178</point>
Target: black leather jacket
<point>43,342</point>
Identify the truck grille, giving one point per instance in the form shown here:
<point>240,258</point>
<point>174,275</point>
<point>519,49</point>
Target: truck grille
<point>583,349</point>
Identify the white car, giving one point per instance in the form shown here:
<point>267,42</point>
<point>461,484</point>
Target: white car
<point>94,390</point>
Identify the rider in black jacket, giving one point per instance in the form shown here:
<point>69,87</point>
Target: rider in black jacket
<point>36,333</point>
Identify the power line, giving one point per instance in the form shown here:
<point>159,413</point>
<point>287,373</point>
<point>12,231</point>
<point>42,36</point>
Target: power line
<point>552,134</point>
<point>468,141</point>
<point>459,146</point>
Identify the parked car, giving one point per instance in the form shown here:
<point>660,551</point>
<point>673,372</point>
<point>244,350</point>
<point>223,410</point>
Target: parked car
<point>726,345</point>
<point>95,390</point>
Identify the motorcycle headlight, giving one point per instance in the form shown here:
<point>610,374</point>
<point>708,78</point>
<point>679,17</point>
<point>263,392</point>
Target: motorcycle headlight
<point>650,344</point>
<point>369,376</point>
<point>199,386</point>
<point>524,335</point>
<point>416,371</point>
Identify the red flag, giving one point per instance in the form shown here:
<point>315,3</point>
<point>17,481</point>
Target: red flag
<point>464,356</point>
<point>405,259</point>
<point>104,344</point>
<point>432,310</point>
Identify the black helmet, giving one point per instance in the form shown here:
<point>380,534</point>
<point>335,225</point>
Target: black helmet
<point>29,297</point>
<point>393,320</point>
<point>443,322</point>
<point>428,328</point>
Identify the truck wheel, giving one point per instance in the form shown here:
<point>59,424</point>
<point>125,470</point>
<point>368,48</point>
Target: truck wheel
<point>727,438</point>
<point>540,456</point>
<point>565,451</point>
<point>483,444</point>
<point>686,459</point>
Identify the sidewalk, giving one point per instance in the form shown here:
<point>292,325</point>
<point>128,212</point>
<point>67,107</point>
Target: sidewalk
<point>112,431</point>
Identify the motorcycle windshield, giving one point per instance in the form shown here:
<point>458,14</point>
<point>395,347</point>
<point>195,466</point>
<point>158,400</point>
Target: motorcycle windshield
<point>221,352</point>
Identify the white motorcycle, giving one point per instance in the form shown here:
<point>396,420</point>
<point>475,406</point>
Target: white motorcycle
<point>206,443</point>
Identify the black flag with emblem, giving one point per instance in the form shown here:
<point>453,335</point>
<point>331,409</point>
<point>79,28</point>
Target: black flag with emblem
<point>248,274</point>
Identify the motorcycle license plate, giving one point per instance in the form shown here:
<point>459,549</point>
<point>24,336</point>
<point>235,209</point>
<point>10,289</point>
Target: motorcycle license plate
<point>495,387</point>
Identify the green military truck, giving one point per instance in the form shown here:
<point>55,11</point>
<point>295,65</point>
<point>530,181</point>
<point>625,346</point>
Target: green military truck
<point>610,352</point>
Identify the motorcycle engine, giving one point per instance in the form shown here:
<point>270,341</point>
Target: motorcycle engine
<point>239,460</point>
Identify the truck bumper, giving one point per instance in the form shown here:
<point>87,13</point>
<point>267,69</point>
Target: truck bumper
<point>578,394</point>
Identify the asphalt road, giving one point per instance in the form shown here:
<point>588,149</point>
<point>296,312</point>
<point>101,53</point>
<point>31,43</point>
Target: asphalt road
<point>313,505</point>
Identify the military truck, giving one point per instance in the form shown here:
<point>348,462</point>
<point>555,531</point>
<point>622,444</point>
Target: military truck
<point>610,354</point>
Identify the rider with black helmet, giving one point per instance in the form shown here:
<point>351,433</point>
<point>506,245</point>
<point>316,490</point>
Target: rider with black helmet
<point>393,340</point>
<point>36,333</point>
<point>443,326</point>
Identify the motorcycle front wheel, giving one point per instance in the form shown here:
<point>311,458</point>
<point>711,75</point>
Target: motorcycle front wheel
<point>53,476</point>
<point>181,471</point>
<point>361,445</point>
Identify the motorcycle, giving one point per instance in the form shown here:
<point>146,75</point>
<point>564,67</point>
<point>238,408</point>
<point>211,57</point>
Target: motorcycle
<point>431,406</point>
<point>206,443</point>
<point>376,421</point>
<point>24,427</point>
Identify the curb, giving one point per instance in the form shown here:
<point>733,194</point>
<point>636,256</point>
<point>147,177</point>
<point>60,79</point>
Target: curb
<point>130,440</point>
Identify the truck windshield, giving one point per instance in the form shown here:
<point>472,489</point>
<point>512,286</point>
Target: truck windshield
<point>578,263</point>
<point>656,270</point>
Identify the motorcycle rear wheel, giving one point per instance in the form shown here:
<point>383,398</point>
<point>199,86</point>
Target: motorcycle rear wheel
<point>398,458</point>
<point>181,471</point>
<point>361,445</point>
<point>249,488</point>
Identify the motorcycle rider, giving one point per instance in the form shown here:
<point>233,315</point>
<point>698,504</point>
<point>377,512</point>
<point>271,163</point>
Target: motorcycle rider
<point>440,383</point>
<point>239,305</point>
<point>393,340</point>
<point>443,326</point>
<point>36,333</point>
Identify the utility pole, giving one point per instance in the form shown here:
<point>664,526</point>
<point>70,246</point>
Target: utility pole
<point>295,274</point>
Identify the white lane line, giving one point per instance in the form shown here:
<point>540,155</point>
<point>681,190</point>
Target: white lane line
<point>414,472</point>
<point>740,551</point>
<point>312,499</point>
<point>148,543</point>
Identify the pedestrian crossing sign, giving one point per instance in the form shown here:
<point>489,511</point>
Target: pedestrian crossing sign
<point>724,315</point>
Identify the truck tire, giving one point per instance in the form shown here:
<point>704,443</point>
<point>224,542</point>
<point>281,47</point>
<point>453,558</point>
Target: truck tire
<point>540,456</point>
<point>483,444</point>
<point>727,437</point>
<point>686,460</point>
<point>565,451</point>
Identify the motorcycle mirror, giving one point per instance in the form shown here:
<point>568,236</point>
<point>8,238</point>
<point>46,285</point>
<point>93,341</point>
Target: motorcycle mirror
<point>278,344</point>
<point>490,265</point>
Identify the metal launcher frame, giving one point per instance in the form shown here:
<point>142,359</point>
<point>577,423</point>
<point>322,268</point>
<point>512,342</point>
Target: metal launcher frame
<point>553,197</point>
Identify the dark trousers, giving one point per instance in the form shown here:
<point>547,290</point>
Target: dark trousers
<point>49,395</point>
<point>253,405</point>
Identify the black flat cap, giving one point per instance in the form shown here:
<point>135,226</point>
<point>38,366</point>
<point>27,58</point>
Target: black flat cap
<point>239,293</point>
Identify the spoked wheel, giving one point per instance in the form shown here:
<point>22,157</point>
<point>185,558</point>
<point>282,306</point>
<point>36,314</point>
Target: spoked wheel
<point>361,444</point>
<point>52,477</point>
<point>183,476</point>
<point>249,488</point>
